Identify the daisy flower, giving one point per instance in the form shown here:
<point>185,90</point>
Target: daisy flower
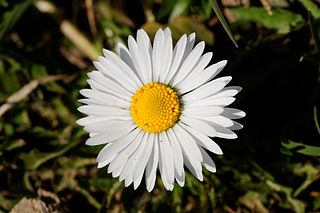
<point>158,106</point>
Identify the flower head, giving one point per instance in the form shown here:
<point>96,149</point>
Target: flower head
<point>158,106</point>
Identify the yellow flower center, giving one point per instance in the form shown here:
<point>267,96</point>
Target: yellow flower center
<point>155,107</point>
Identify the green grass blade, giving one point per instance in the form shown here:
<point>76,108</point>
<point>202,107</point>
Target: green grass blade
<point>312,7</point>
<point>314,29</point>
<point>180,7</point>
<point>33,160</point>
<point>316,117</point>
<point>301,148</point>
<point>223,21</point>
<point>16,13</point>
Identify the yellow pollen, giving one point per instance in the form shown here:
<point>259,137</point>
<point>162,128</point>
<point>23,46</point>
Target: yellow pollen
<point>155,107</point>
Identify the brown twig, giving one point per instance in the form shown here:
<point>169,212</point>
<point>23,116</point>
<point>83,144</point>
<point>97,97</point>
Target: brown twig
<point>267,6</point>
<point>149,15</point>
<point>78,39</point>
<point>69,30</point>
<point>91,20</point>
<point>27,89</point>
<point>74,56</point>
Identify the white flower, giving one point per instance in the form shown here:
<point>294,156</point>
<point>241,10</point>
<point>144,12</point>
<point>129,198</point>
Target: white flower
<point>158,106</point>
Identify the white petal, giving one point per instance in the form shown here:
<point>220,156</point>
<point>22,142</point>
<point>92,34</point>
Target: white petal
<point>89,101</point>
<point>176,150</point>
<point>206,75</point>
<point>145,157</point>
<point>201,111</point>
<point>118,145</point>
<point>223,132</point>
<point>99,110</point>
<point>190,40</point>
<point>203,140</point>
<point>167,32</point>
<point>184,86</point>
<point>178,52</point>
<point>104,163</point>
<point>211,101</point>
<point>137,61</point>
<point>104,98</point>
<point>168,185</point>
<point>180,178</point>
<point>203,63</point>
<point>127,172</point>
<point>108,126</point>
<point>127,181</point>
<point>116,172</point>
<point>156,54</point>
<point>189,63</point>
<point>109,84</point>
<point>235,126</point>
<point>207,161</point>
<point>151,169</point>
<point>138,156</point>
<point>94,119</point>
<point>111,69</point>
<point>193,165</point>
<point>151,182</point>
<point>166,157</point>
<point>92,134</point>
<point>96,86</point>
<point>109,135</point>
<point>129,169</point>
<point>166,58</point>
<point>228,91</point>
<point>123,156</point>
<point>122,67</point>
<point>145,50</point>
<point>137,181</point>
<point>207,89</point>
<point>189,46</point>
<point>107,159</point>
<point>117,164</point>
<point>187,142</point>
<point>105,72</point>
<point>90,120</point>
<point>221,120</point>
<point>199,125</point>
<point>233,113</point>
<point>125,55</point>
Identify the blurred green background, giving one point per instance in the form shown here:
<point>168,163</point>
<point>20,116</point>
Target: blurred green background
<point>46,49</point>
